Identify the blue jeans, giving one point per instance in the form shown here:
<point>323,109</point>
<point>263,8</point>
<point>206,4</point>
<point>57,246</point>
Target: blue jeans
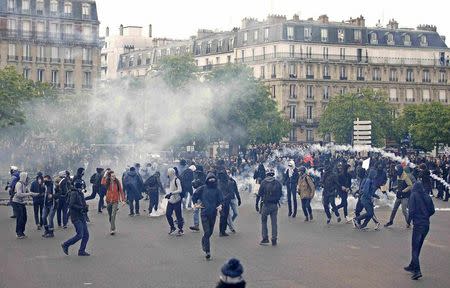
<point>368,205</point>
<point>62,211</point>
<point>48,215</point>
<point>82,233</point>
<point>21,217</point>
<point>134,208</point>
<point>196,217</point>
<point>269,210</point>
<point>418,236</point>
<point>234,209</point>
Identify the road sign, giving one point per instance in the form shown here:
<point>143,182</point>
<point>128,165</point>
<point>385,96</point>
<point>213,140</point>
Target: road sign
<point>362,132</point>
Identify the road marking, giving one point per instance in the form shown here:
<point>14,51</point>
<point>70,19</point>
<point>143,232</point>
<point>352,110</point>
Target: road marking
<point>353,247</point>
<point>443,209</point>
<point>87,283</point>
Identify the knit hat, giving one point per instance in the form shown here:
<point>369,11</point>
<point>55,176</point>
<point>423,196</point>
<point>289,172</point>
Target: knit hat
<point>80,171</point>
<point>232,272</point>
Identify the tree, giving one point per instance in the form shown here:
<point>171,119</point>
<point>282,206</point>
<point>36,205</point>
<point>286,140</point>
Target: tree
<point>244,111</point>
<point>344,109</point>
<point>177,71</point>
<point>428,124</point>
<point>14,91</point>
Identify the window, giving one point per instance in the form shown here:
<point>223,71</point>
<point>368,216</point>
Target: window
<point>342,73</point>
<point>326,71</point>
<point>41,52</point>
<point>273,91</point>
<point>12,49</point>
<point>410,75</point>
<point>54,29</point>
<point>40,75</point>
<point>324,35</point>
<point>393,75</point>
<point>55,77</point>
<point>67,8</point>
<point>245,37</point>
<point>407,40</point>
<point>390,39</point>
<point>309,72</point>
<point>393,94</point>
<point>68,53</point>
<point>308,52</point>
<point>231,44</point>
<point>274,71</point>
<point>266,34</point>
<point>442,96</point>
<point>87,32</point>
<point>326,92</point>
<point>242,55</point>
<point>293,91</point>
<point>442,77</point>
<point>291,51</point>
<point>292,112</point>
<point>26,51</point>
<point>208,47</point>
<point>274,51</point>
<point>342,53</point>
<point>341,35</point>
<point>309,92</point>
<point>262,73</point>
<point>253,54</point>
<point>292,135</point>
<point>87,54</point>
<point>309,135</point>
<point>11,5</point>
<point>86,10</point>
<point>264,52</point>
<point>357,35</point>
<point>423,40</point>
<point>12,24</point>
<point>255,35</point>
<point>40,27</point>
<point>68,29</point>
<point>40,7</point>
<point>228,59</point>
<point>87,82</point>
<point>25,5</point>
<point>290,33</point>
<point>26,27</point>
<point>426,95</point>
<point>26,73</point>
<point>309,112</point>
<point>373,38</point>
<point>55,53</point>
<point>360,74</point>
<point>409,95</point>
<point>69,79</point>
<point>325,52</point>
<point>53,6</point>
<point>376,76</point>
<point>292,71</point>
<point>308,33</point>
<point>426,76</point>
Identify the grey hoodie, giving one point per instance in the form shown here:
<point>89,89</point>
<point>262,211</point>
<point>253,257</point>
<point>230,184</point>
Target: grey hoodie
<point>21,190</point>
<point>174,189</point>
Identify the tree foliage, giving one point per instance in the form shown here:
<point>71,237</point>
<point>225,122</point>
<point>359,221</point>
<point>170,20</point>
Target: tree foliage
<point>14,91</point>
<point>344,109</point>
<point>177,71</point>
<point>428,124</point>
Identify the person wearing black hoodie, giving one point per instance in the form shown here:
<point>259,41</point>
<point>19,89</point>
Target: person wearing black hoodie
<point>79,184</point>
<point>133,186</point>
<point>330,184</point>
<point>96,181</point>
<point>224,186</point>
<point>49,207</point>
<point>37,186</point>
<point>270,192</point>
<point>209,199</point>
<point>199,181</point>
<point>368,192</point>
<point>421,208</point>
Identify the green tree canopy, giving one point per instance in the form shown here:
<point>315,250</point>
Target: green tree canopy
<point>177,71</point>
<point>14,91</point>
<point>344,109</point>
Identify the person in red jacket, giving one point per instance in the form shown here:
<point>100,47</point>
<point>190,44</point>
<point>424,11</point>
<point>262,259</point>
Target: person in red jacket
<point>114,195</point>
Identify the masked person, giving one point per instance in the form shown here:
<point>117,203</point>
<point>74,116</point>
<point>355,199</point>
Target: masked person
<point>114,195</point>
<point>270,192</point>
<point>15,177</point>
<point>134,187</point>
<point>174,203</point>
<point>234,203</point>
<point>208,199</point>
<point>96,180</point>
<point>199,181</point>
<point>62,190</point>
<point>153,187</point>
<point>330,184</point>
<point>18,202</point>
<point>37,186</point>
<point>345,184</point>
<point>404,186</point>
<point>48,213</point>
<point>290,180</point>
<point>306,190</point>
<point>227,193</point>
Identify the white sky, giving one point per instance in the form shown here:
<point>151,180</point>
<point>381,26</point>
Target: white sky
<point>182,18</point>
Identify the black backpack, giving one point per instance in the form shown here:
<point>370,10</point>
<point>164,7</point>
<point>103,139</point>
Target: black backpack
<point>93,178</point>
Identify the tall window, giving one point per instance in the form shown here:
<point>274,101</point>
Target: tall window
<point>11,49</point>
<point>69,78</point>
<point>393,75</point>
<point>393,94</point>
<point>342,53</point>
<point>309,112</point>
<point>68,29</point>
<point>409,95</point>
<point>26,51</point>
<point>55,52</point>
<point>40,75</point>
<point>360,73</point>
<point>309,71</point>
<point>291,51</point>
<point>55,77</point>
<point>308,33</point>
<point>426,76</point>
<point>390,39</point>
<point>357,35</point>
<point>409,75</point>
<point>262,72</point>
<point>274,95</point>
<point>324,35</point>
<point>407,40</point>
<point>426,95</point>
<point>342,73</point>
<point>423,40</point>
<point>12,25</point>
<point>292,71</point>
<point>208,47</point>
<point>341,35</point>
<point>325,52</point>
<point>26,73</point>
<point>87,54</point>
<point>309,92</point>
<point>26,27</point>
<point>11,5</point>
<point>274,51</point>
<point>266,34</point>
<point>274,71</point>
<point>255,36</point>
<point>326,71</point>
<point>68,53</point>
<point>40,27</point>
<point>308,52</point>
<point>292,112</point>
<point>442,76</point>
<point>290,33</point>
<point>25,5</point>
<point>326,92</point>
<point>87,79</point>
<point>242,55</point>
<point>309,135</point>
<point>219,45</point>
<point>86,10</point>
<point>67,8</point>
<point>376,74</point>
<point>87,32</point>
<point>41,52</point>
<point>292,91</point>
<point>245,37</point>
<point>40,7</point>
<point>442,96</point>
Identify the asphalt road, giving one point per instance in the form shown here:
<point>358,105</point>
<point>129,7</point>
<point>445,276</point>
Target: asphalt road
<point>143,255</point>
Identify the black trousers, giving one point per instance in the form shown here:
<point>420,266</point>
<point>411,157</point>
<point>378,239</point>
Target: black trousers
<point>344,203</point>
<point>153,203</point>
<point>327,200</point>
<point>21,217</point>
<point>224,217</point>
<point>208,222</point>
<point>306,207</point>
<point>418,236</point>
<point>37,209</point>
<point>292,199</point>
<point>169,211</point>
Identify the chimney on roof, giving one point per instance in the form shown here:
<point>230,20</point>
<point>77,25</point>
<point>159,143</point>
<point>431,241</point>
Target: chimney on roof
<point>121,30</point>
<point>296,18</point>
<point>427,27</point>
<point>150,31</point>
<point>323,19</point>
<point>392,24</point>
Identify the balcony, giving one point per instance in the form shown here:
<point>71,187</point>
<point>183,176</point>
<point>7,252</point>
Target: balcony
<point>442,81</point>
<point>27,58</point>
<point>86,17</point>
<point>426,100</point>
<point>376,78</point>
<point>69,61</point>
<point>87,62</point>
<point>13,58</point>
<point>393,79</point>
<point>308,121</point>
<point>410,100</point>
<point>41,60</point>
<point>409,79</point>
<point>293,76</point>
<point>309,99</point>
<point>326,77</point>
<point>309,76</point>
<point>69,86</point>
<point>87,86</point>
<point>393,99</point>
<point>343,78</point>
<point>55,60</point>
<point>426,80</point>
<point>359,78</point>
<point>55,85</point>
<point>273,76</point>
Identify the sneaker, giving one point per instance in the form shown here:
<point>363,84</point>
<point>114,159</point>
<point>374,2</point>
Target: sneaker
<point>339,219</point>
<point>364,228</point>
<point>264,242</point>
<point>39,227</point>
<point>289,214</point>
<point>112,232</point>
<point>356,224</point>
<point>232,230</point>
<point>408,269</point>
<point>388,224</point>
<point>21,236</point>
<point>416,275</point>
<point>83,253</point>
<point>195,228</point>
<point>408,226</point>
<point>328,220</point>
<point>65,227</point>
<point>13,216</point>
<point>306,219</point>
<point>224,234</point>
<point>208,256</point>
<point>274,242</point>
<point>172,230</point>
<point>65,249</point>
<point>294,215</point>
<point>180,232</point>
<point>311,217</point>
<point>377,226</point>
<point>138,214</point>
<point>99,211</point>
<point>131,214</point>
<point>348,220</point>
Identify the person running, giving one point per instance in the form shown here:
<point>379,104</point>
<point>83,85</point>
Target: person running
<point>199,181</point>
<point>114,195</point>
<point>421,208</point>
<point>208,199</point>
<point>330,185</point>
<point>270,192</point>
<point>306,191</point>
<point>368,192</point>
<point>18,202</point>
<point>95,180</point>
<point>174,203</point>
<point>78,214</point>
<point>404,186</point>
<point>234,203</point>
<point>153,187</point>
<point>345,184</point>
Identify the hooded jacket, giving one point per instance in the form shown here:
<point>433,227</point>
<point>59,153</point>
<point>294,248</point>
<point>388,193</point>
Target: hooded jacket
<point>15,177</point>
<point>49,193</point>
<point>306,188</point>
<point>133,185</point>
<point>270,191</point>
<point>209,195</point>
<point>38,188</point>
<point>21,189</point>
<point>114,192</point>
<point>369,187</point>
<point>174,186</point>
<point>420,206</point>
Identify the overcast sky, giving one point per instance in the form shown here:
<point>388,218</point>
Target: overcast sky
<point>182,18</point>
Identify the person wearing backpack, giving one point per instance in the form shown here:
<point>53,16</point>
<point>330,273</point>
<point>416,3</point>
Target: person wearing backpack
<point>15,177</point>
<point>270,192</point>
<point>96,180</point>
<point>37,186</point>
<point>49,207</point>
<point>114,195</point>
<point>306,191</point>
<point>174,202</point>
<point>153,187</point>
<point>79,184</point>
<point>421,208</point>
<point>186,178</point>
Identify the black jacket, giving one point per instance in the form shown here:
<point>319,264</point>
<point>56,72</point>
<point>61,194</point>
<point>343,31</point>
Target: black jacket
<point>270,191</point>
<point>329,183</point>
<point>420,206</point>
<point>209,195</point>
<point>224,186</point>
<point>234,189</point>
<point>77,205</point>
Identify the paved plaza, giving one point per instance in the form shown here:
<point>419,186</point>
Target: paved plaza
<point>143,255</point>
